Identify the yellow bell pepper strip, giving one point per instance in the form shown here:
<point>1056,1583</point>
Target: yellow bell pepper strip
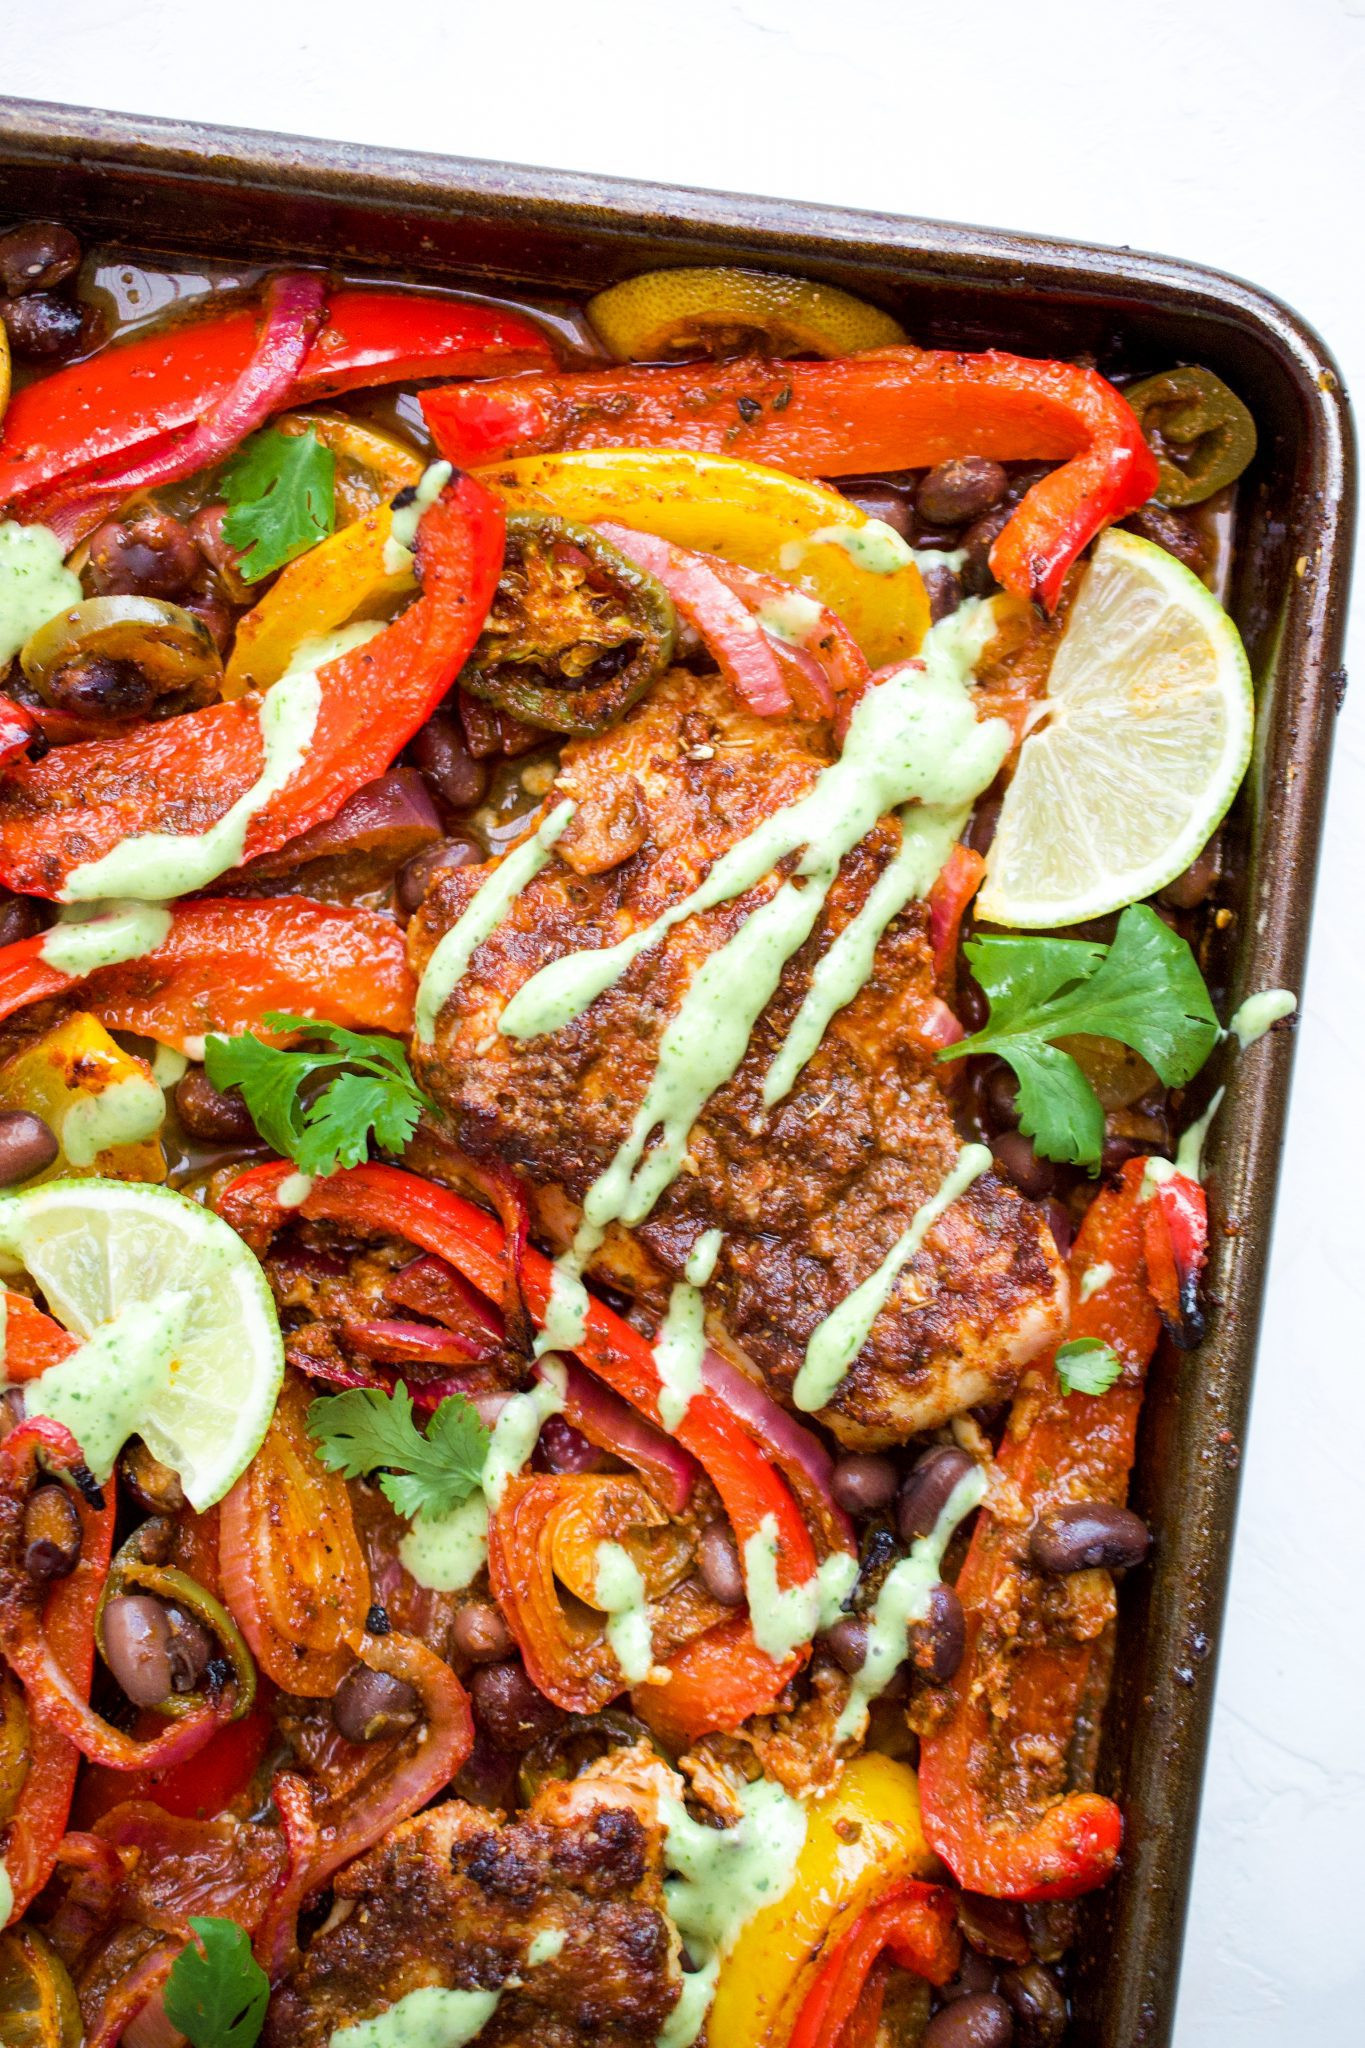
<point>1004,1822</point>
<point>370,464</point>
<point>863,1841</point>
<point>723,311</point>
<point>895,408</point>
<point>760,518</point>
<point>341,580</point>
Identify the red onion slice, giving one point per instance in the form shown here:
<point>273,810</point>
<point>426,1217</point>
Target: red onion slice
<point>798,1454</point>
<point>613,1425</point>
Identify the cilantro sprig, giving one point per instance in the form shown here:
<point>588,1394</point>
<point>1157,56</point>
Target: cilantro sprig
<point>217,1993</point>
<point>281,494</point>
<point>1145,990</point>
<point>366,1429</point>
<point>1087,1365</point>
<point>373,1090</point>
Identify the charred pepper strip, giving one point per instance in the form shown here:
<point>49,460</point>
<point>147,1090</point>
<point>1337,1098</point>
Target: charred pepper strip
<point>894,408</point>
<point>1021,1678</point>
<point>1192,412</point>
<point>547,615</point>
<point>132,1571</point>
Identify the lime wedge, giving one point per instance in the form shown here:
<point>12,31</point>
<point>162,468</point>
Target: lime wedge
<point>1145,735</point>
<point>182,1341</point>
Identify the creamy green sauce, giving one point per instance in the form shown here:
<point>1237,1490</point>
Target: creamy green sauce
<point>1189,1155</point>
<point>792,617</point>
<point>721,1878</point>
<point>34,585</point>
<point>109,935</point>
<point>430,2018</point>
<point>6,1895</point>
<point>783,1616</point>
<point>938,558</point>
<point>927,837</point>
<point>168,1066</point>
<point>872,545</point>
<point>294,1190</point>
<point>155,866</point>
<point>680,1348</point>
<point>1095,1279</point>
<point>903,1599</point>
<point>836,1342</point>
<point>124,1113</point>
<point>621,1596</point>
<point>701,1260</point>
<point>402,535</point>
<point>102,1391</point>
<point>1253,1018</point>
<point>482,915</point>
<point>566,1311</point>
<point>546,1946</point>
<point>444,1552</point>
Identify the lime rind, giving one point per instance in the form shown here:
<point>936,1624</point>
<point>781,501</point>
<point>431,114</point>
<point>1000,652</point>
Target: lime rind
<point>96,1247</point>
<point>1149,735</point>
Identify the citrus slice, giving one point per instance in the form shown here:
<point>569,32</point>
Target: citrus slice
<point>1146,734</point>
<point>110,1256</point>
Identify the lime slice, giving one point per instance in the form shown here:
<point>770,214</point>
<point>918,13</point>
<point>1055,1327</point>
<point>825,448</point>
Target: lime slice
<point>1146,735</point>
<point>187,1348</point>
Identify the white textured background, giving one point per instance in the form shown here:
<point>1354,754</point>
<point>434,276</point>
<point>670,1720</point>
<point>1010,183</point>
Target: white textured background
<point>1223,130</point>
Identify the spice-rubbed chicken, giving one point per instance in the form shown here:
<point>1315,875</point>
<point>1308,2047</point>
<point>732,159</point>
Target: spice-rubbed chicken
<point>810,1193</point>
<point>560,1926</point>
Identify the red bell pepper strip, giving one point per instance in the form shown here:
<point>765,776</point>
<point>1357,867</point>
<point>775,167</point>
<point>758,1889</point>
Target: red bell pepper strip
<point>957,882</point>
<point>915,1926</point>
<point>717,1681</point>
<point>19,728</point>
<point>30,1842</point>
<point>1175,1241</point>
<point>385,1199</point>
<point>164,378</point>
<point>181,775</point>
<point>196,1790</point>
<point>293,310</point>
<point>895,408</point>
<point>1021,1681</point>
<point>225,962</point>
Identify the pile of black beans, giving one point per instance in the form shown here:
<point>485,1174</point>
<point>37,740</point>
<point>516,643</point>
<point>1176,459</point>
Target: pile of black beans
<point>45,321</point>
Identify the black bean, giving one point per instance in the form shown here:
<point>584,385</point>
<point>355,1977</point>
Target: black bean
<point>206,533</point>
<point>415,876</point>
<point>439,751</point>
<point>1116,1152</point>
<point>718,1563</point>
<point>368,1704</point>
<point>147,554</point>
<point>562,1448</point>
<point>1059,1219</point>
<point>972,1007</point>
<point>27,1145</point>
<point>154,1486</point>
<point>37,256</point>
<point>976,1974</point>
<point>481,1634</point>
<point>862,1482</point>
<point>43,328</point>
<point>981,832</point>
<point>153,1650</point>
<point>510,1709</point>
<point>1190,888</point>
<point>101,688</point>
<point>20,918</point>
<point>926,1488</point>
<point>1002,1097</point>
<point>215,1115</point>
<point>978,541</point>
<point>980,2020</point>
<point>1088,1533</point>
<point>957,492</point>
<point>937,1643</point>
<point>1035,1998</point>
<point>943,591</point>
<point>879,501</point>
<point>846,1642</point>
<point>1014,1155</point>
<point>52,1534</point>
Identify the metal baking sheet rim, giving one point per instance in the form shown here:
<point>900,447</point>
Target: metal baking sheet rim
<point>522,220</point>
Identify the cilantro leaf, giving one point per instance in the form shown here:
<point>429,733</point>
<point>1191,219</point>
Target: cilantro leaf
<point>281,498</point>
<point>217,1992</point>
<point>365,1428</point>
<point>1145,990</point>
<point>332,1128</point>
<point>1087,1365</point>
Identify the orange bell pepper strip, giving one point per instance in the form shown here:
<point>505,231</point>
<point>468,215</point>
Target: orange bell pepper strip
<point>30,1840</point>
<point>225,962</point>
<point>386,1199</point>
<point>179,777</point>
<point>886,409</point>
<point>1020,1681</point>
<point>163,378</point>
<point>916,1926</point>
